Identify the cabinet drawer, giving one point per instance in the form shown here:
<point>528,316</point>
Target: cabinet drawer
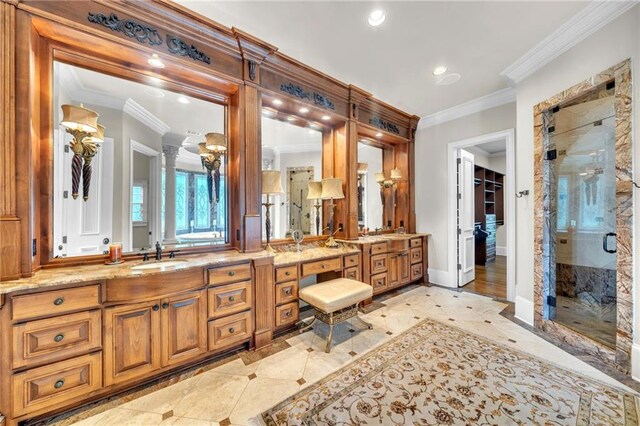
<point>229,274</point>
<point>416,271</point>
<point>379,263</point>
<point>229,330</point>
<point>56,384</point>
<point>230,298</point>
<point>351,260</point>
<point>56,338</point>
<point>416,242</point>
<point>352,273</point>
<point>286,314</point>
<point>55,302</point>
<point>321,266</point>
<point>287,273</point>
<point>286,292</point>
<point>378,248</point>
<point>416,255</point>
<point>379,282</point>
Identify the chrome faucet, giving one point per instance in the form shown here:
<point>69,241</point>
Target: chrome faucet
<point>158,251</point>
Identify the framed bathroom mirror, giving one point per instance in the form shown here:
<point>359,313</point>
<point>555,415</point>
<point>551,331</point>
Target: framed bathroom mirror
<point>147,178</point>
<point>370,192</point>
<point>293,147</point>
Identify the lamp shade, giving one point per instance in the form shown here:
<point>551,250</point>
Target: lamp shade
<point>362,168</point>
<point>332,189</point>
<point>315,190</point>
<point>79,118</point>
<point>98,137</point>
<point>203,150</point>
<point>271,183</point>
<point>216,142</point>
<point>379,177</point>
<point>395,174</point>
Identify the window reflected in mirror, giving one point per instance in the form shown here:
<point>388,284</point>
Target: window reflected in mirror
<point>157,174</point>
<point>370,195</point>
<point>292,147</point>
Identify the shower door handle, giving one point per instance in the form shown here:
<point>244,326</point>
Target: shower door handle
<point>605,242</point>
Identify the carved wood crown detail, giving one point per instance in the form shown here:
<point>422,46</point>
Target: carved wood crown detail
<point>317,98</point>
<point>384,125</point>
<point>179,47</point>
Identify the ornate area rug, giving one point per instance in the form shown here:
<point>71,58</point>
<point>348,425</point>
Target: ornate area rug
<point>438,374</point>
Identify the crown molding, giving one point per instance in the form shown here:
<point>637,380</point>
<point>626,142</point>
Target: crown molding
<point>74,87</point>
<point>138,112</point>
<point>492,100</point>
<point>590,19</point>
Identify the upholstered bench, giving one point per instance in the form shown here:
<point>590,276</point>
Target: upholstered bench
<point>335,301</point>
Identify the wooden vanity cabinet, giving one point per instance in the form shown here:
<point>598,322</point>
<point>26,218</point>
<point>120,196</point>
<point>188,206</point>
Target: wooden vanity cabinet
<point>286,312</point>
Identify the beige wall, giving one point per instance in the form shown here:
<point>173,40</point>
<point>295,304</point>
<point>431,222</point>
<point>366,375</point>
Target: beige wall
<point>431,176</point>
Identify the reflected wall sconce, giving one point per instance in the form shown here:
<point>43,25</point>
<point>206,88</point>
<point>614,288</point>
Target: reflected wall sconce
<point>315,193</point>
<point>211,152</point>
<point>271,185</point>
<point>390,183</point>
<point>332,190</point>
<point>361,172</point>
<point>522,193</point>
<point>82,124</point>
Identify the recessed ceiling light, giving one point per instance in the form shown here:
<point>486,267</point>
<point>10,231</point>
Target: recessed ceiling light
<point>183,100</point>
<point>439,70</point>
<point>377,17</point>
<point>445,80</point>
<point>153,92</point>
<point>378,135</point>
<point>277,102</point>
<point>154,80</point>
<point>303,110</point>
<point>326,117</point>
<point>315,125</point>
<point>290,118</point>
<point>154,61</point>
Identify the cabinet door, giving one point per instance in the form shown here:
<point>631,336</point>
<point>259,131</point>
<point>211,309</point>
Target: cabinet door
<point>184,327</point>
<point>132,341</point>
<point>405,268</point>
<point>393,270</point>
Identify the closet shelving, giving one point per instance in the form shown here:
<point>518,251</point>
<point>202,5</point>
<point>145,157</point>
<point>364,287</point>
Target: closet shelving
<point>489,211</point>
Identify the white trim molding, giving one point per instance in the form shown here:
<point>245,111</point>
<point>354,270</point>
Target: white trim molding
<point>635,362</point>
<point>524,310</point>
<point>439,277</point>
<point>590,19</point>
<point>141,114</point>
<point>492,100</point>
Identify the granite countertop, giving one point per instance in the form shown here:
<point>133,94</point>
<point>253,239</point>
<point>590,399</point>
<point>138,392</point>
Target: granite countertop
<point>78,274</point>
<point>372,239</point>
<point>313,253</point>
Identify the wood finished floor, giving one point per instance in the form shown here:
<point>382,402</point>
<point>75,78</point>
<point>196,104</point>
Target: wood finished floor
<point>491,280</point>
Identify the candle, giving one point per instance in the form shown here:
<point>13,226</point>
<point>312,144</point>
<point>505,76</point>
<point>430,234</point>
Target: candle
<point>115,252</point>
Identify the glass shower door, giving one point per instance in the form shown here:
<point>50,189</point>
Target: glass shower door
<point>585,225</point>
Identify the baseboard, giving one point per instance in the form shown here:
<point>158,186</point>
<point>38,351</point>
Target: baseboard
<point>635,362</point>
<point>524,310</point>
<point>439,277</point>
<point>501,250</point>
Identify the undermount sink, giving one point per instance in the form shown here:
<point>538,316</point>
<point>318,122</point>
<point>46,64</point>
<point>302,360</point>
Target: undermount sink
<point>158,265</point>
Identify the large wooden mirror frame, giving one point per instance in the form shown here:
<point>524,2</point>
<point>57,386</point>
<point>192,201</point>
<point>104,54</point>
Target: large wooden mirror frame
<point>203,59</point>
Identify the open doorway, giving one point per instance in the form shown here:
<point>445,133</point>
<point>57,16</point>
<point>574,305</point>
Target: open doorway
<point>482,243</point>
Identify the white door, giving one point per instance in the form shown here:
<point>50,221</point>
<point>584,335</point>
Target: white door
<point>466,213</point>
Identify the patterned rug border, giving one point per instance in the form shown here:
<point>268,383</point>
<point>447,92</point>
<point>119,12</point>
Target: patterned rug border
<point>262,420</point>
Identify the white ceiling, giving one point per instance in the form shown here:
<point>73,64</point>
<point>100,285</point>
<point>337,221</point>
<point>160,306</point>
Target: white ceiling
<point>394,61</point>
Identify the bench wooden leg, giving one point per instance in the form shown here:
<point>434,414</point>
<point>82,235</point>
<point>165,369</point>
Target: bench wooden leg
<point>329,337</point>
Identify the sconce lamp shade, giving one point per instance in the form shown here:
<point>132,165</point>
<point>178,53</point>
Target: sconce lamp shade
<point>315,190</point>
<point>271,183</point>
<point>216,142</point>
<point>395,174</point>
<point>98,137</point>
<point>79,118</point>
<point>379,177</point>
<point>332,189</point>
<point>362,168</point>
<point>203,150</point>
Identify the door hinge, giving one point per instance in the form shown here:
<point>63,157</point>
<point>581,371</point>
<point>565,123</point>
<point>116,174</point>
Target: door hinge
<point>459,196</point>
<point>551,154</point>
<point>459,266</point>
<point>65,194</point>
<point>66,149</point>
<point>551,301</point>
<point>34,247</point>
<point>459,231</point>
<point>459,160</point>
<point>64,240</point>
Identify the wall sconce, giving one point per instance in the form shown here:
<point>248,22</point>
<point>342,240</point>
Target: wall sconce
<point>271,185</point>
<point>211,152</point>
<point>385,183</point>
<point>331,190</point>
<point>315,193</point>
<point>82,124</point>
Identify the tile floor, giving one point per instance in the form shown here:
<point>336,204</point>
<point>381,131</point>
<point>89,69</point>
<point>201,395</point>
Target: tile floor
<point>233,393</point>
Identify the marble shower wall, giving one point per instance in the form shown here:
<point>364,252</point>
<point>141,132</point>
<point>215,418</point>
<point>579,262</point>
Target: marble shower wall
<point>545,217</point>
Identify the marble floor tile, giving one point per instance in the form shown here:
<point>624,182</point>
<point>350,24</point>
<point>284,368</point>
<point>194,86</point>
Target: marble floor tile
<point>165,399</point>
<point>260,394</point>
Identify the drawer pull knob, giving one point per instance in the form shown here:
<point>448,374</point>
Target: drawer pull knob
<point>156,307</point>
<point>58,338</point>
<point>59,384</point>
<point>287,273</point>
<point>287,314</point>
<point>324,266</point>
<point>351,260</point>
<point>59,301</point>
<point>231,298</point>
<point>287,292</point>
<point>165,305</point>
<point>232,273</point>
<point>232,330</point>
